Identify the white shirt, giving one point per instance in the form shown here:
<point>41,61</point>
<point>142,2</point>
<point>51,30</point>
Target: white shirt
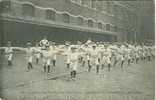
<point>8,50</point>
<point>74,60</point>
<point>29,54</point>
<point>29,51</point>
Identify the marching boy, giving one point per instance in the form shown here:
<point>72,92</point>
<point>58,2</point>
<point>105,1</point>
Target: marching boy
<point>73,57</point>
<point>30,51</point>
<point>29,55</point>
<point>47,56</point>
<point>53,48</point>
<point>94,58</point>
<point>74,60</point>
<point>9,53</point>
<point>37,54</point>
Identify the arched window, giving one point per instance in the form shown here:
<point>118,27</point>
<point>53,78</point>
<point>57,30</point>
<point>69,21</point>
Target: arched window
<point>5,6</point>
<point>80,20</point>
<point>50,14</point>
<point>66,18</point>
<point>107,27</point>
<point>28,10</point>
<point>90,23</point>
<point>99,25</point>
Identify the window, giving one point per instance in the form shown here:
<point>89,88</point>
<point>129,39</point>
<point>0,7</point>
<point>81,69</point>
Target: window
<point>28,10</point>
<point>99,25</point>
<point>76,1</point>
<point>66,18</point>
<point>82,2</point>
<point>5,6</point>
<point>115,29</point>
<point>108,8</point>
<point>116,12</point>
<point>93,3</point>
<point>90,23</point>
<point>80,21</point>
<point>107,27</point>
<point>86,3</point>
<point>50,15</point>
<point>99,5</point>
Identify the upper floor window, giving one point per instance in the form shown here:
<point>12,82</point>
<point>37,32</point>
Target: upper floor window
<point>5,6</point>
<point>115,28</point>
<point>116,12</point>
<point>28,10</point>
<point>50,14</point>
<point>99,25</point>
<point>107,27</point>
<point>77,1</point>
<point>80,21</point>
<point>93,3</point>
<point>86,3</point>
<point>90,23</point>
<point>82,2</point>
<point>66,18</point>
<point>108,7</point>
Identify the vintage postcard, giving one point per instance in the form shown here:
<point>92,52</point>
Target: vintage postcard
<point>77,49</point>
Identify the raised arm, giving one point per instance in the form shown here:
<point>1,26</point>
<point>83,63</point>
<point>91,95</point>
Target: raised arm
<point>2,48</point>
<point>18,48</point>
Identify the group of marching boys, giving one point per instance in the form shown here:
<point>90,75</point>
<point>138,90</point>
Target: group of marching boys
<point>93,55</point>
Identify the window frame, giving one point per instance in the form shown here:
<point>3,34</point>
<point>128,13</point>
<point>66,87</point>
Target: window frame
<point>64,16</point>
<point>25,8</point>
<point>50,14</point>
<point>90,23</point>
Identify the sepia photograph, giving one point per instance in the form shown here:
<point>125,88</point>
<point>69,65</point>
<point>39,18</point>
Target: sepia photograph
<point>77,49</point>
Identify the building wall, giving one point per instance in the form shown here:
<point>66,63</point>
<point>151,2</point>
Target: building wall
<point>99,12</point>
<point>20,33</point>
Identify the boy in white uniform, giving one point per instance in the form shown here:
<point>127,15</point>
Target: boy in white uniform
<point>8,53</point>
<point>86,55</point>
<point>103,60</point>
<point>29,56</point>
<point>122,55</point>
<point>115,56</point>
<point>30,52</point>
<point>37,54</point>
<point>47,55</point>
<point>137,54</point>
<point>122,60</point>
<point>153,51</point>
<point>144,52</point>
<point>66,50</point>
<point>94,58</point>
<point>128,55</point>
<point>53,48</point>
<point>108,58</point>
<point>74,59</point>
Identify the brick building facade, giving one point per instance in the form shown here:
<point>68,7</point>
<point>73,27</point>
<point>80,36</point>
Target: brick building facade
<point>72,20</point>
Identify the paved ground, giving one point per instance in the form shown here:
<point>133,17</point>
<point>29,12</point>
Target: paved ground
<point>134,82</point>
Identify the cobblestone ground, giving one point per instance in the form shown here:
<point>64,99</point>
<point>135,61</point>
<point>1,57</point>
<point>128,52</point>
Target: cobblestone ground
<point>134,82</point>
